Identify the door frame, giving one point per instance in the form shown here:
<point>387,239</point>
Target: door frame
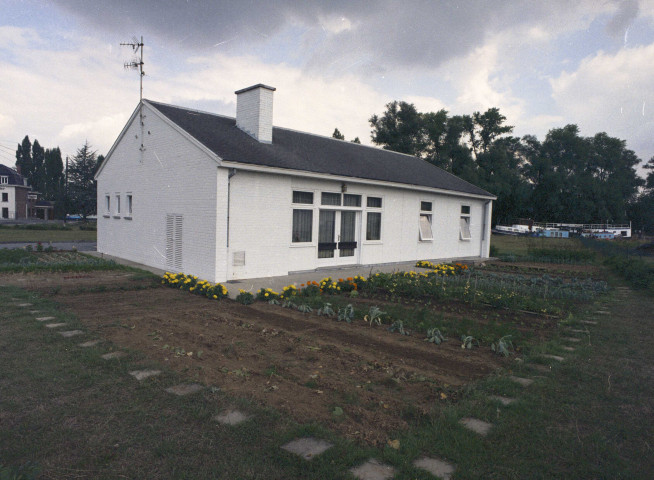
<point>337,259</point>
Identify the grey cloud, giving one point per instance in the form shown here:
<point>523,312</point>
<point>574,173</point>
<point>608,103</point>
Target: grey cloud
<point>626,14</point>
<point>386,34</point>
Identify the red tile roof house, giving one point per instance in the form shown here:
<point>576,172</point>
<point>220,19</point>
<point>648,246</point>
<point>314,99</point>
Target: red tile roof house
<point>234,198</point>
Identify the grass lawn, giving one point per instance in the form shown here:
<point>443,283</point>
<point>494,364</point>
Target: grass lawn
<point>20,233</point>
<point>66,413</point>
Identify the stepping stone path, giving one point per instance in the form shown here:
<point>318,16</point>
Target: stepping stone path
<point>553,357</point>
<point>503,400</point>
<point>113,355</point>
<point>540,368</point>
<point>25,304</point>
<point>476,425</point>
<point>185,389</point>
<point>373,470</point>
<point>588,322</point>
<point>90,343</point>
<point>307,447</point>
<point>45,319</point>
<point>71,333</point>
<point>568,349</point>
<point>571,339</point>
<point>576,330</point>
<point>143,374</point>
<point>525,382</point>
<point>54,325</point>
<point>436,467</point>
<point>232,417</point>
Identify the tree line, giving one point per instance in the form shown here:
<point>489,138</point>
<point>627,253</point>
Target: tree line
<point>45,173</point>
<point>564,178</point>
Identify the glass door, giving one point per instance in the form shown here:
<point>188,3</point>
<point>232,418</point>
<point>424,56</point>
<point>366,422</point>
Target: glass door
<point>337,235</point>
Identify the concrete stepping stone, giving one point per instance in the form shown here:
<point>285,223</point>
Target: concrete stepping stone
<point>45,319</point>
<point>185,389</point>
<point>54,325</point>
<point>25,304</point>
<point>552,357</point>
<point>90,343</point>
<point>576,330</point>
<point>525,382</point>
<point>113,355</point>
<point>588,322</point>
<point>540,368</point>
<point>373,470</point>
<point>436,467</point>
<point>143,374</point>
<point>506,401</point>
<point>476,425</point>
<point>34,312</point>
<point>231,417</point>
<point>71,333</point>
<point>307,447</point>
<point>568,349</point>
<point>602,312</point>
<point>571,339</point>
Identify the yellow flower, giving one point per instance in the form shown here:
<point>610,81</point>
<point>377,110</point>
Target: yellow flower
<point>215,297</point>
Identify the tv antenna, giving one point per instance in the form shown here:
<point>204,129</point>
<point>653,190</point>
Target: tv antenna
<point>137,62</point>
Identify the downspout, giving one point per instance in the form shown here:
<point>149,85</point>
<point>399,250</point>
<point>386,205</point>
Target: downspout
<point>231,173</point>
<point>485,237</point>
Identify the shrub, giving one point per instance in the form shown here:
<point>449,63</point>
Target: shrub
<point>245,298</point>
<point>190,283</point>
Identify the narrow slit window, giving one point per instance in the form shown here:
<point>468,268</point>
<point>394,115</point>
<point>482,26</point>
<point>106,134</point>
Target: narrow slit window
<point>107,204</point>
<point>129,204</point>
<point>117,204</point>
<point>464,223</point>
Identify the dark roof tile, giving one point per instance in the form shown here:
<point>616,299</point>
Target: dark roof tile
<point>295,150</point>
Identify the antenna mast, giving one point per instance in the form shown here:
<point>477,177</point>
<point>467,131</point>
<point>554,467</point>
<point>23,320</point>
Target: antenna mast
<point>136,63</point>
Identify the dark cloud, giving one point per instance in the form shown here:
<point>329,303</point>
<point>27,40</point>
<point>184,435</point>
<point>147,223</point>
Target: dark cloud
<point>386,34</point>
<point>626,14</point>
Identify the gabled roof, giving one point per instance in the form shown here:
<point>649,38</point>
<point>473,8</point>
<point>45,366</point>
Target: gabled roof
<point>14,177</point>
<point>301,151</point>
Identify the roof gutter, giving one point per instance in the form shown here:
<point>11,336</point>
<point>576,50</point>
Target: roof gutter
<point>341,178</point>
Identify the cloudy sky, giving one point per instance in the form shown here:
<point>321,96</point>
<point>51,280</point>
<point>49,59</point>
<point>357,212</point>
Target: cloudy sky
<point>334,63</point>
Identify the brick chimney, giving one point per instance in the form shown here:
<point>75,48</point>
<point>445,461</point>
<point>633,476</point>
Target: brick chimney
<point>254,110</point>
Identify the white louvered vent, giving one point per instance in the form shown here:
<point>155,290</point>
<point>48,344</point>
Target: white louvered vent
<point>239,259</point>
<point>174,226</point>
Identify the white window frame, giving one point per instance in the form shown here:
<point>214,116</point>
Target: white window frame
<point>426,233</point>
<point>302,242</point>
<point>369,210</point>
<point>107,205</point>
<point>4,179</point>
<point>117,205</point>
<point>130,205</point>
<point>464,224</point>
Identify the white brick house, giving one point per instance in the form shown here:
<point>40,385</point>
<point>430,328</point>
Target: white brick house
<point>13,195</point>
<point>227,199</point>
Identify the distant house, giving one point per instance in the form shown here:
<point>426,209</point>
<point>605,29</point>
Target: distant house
<point>233,198</point>
<point>18,201</point>
<point>14,191</point>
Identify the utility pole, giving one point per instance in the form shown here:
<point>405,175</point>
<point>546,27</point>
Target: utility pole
<point>66,193</point>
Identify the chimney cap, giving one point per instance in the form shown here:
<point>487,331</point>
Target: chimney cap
<point>258,85</point>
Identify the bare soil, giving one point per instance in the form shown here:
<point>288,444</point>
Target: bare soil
<point>298,363</point>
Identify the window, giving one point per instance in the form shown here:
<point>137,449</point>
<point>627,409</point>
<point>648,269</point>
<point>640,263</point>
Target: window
<point>373,226</point>
<point>425,222</point>
<point>465,222</point>
<point>4,179</point>
<point>107,205</point>
<point>117,204</point>
<point>303,197</point>
<point>374,202</point>
<point>129,204</point>
<point>302,225</point>
<point>5,197</point>
<point>330,198</point>
<point>351,200</point>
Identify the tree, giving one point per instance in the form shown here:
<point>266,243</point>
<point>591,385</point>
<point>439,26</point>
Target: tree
<point>400,129</point>
<point>24,157</point>
<point>338,135</point>
<point>81,186</point>
<point>38,177</point>
<point>356,140</point>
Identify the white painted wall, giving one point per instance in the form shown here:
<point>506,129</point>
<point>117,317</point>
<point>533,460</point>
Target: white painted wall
<point>10,190</point>
<point>261,223</point>
<point>254,113</point>
<point>171,175</point>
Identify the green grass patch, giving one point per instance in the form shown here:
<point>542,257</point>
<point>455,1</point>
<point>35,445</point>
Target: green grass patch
<point>47,232</point>
<point>23,261</point>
